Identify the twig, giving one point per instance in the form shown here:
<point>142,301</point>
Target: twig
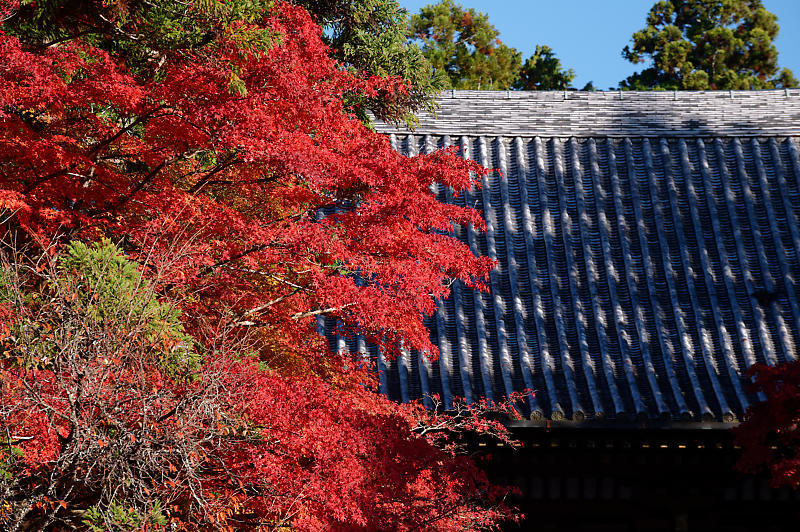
<point>301,315</point>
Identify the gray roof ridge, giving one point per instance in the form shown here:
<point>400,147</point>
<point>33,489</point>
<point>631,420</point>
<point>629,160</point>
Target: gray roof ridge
<point>463,94</point>
<point>758,113</point>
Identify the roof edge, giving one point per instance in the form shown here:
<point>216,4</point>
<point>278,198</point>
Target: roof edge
<point>673,95</point>
<point>773,112</point>
<point>653,425</point>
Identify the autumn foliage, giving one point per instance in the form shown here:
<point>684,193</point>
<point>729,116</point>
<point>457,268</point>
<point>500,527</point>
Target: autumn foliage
<point>230,158</point>
<point>770,435</point>
<point>115,423</point>
<point>172,373</point>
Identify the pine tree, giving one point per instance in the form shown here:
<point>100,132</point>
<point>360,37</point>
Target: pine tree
<point>699,45</point>
<point>464,46</point>
<point>543,71</point>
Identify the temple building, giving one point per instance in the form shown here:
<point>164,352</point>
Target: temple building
<point>648,251</point>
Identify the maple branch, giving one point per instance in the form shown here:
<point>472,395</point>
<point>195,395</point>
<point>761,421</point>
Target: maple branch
<point>115,28</point>
<point>143,183</point>
<point>205,180</point>
<point>254,249</point>
<point>301,315</point>
<point>246,323</point>
<point>63,39</point>
<point>92,153</point>
<point>193,124</point>
<point>11,14</point>
<point>141,118</point>
<point>14,439</point>
<point>284,281</point>
<point>275,301</point>
<point>52,175</point>
<point>150,176</point>
<point>245,182</point>
<point>423,525</point>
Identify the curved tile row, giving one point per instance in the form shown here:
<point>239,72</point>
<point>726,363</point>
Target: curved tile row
<point>637,278</point>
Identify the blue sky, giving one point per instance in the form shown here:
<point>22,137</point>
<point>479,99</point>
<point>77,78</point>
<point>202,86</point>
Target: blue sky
<point>588,35</point>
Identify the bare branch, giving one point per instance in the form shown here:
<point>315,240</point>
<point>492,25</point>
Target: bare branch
<point>329,310</point>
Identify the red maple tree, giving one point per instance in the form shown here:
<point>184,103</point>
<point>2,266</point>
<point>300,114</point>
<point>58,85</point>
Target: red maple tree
<point>230,155</point>
<point>212,142</point>
<point>770,434</point>
<point>112,420</point>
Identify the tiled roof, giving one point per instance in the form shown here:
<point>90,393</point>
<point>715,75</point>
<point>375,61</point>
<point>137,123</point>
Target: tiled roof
<point>614,114</point>
<point>641,269</point>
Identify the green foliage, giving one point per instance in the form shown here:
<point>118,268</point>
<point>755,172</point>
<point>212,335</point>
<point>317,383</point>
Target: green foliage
<point>369,36</point>
<point>463,45</point>
<point>698,45</point>
<point>7,293</point>
<point>543,71</point>
<point>118,518</point>
<point>366,36</point>
<point>236,85</point>
<point>9,455</point>
<point>107,291</point>
<point>171,26</point>
<point>108,288</point>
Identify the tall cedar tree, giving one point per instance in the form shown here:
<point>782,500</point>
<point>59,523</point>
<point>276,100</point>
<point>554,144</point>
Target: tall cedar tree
<point>699,45</point>
<point>213,140</point>
<point>370,36</point>
<point>463,45</point>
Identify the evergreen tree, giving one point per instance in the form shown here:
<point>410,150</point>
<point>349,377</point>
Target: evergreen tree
<point>464,45</point>
<point>698,45</point>
<point>464,48</point>
<point>370,36</point>
<point>543,71</point>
